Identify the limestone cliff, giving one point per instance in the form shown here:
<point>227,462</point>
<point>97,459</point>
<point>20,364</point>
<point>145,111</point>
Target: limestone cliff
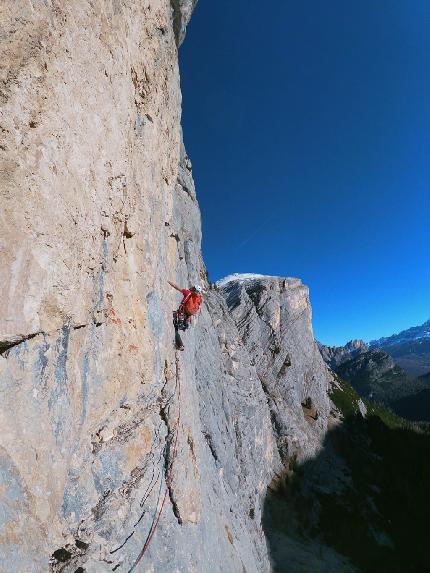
<point>98,211</point>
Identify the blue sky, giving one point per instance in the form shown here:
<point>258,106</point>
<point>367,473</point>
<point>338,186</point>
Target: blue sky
<point>308,125</point>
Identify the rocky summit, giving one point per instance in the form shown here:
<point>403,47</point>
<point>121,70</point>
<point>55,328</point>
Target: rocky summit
<point>118,453</point>
<point>335,356</point>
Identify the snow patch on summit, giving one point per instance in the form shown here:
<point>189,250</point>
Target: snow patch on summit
<point>241,277</point>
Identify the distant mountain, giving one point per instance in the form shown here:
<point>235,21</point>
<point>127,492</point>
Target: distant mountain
<point>414,356</point>
<point>410,349</point>
<point>410,335</point>
<point>334,356</point>
<point>376,376</point>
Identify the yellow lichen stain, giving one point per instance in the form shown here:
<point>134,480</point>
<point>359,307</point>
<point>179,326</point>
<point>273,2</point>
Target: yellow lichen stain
<point>192,517</point>
<point>140,446</point>
<point>11,533</point>
<point>269,452</point>
<point>190,507</point>
<point>138,314</point>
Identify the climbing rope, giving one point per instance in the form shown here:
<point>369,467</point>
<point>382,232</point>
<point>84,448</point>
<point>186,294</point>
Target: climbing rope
<point>169,474</point>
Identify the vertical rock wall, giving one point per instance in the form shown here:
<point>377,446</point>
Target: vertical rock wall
<point>90,154</point>
<point>98,211</point>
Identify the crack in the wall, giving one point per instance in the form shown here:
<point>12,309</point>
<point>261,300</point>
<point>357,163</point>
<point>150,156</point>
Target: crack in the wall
<point>122,544</point>
<point>6,345</point>
<point>126,490</point>
<point>139,473</point>
<point>208,439</point>
<point>168,462</point>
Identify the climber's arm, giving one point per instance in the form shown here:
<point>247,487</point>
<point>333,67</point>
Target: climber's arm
<point>175,286</point>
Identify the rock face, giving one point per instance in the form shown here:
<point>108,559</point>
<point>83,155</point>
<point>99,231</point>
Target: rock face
<point>273,316</point>
<point>102,423</point>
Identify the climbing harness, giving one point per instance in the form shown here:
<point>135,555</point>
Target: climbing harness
<point>169,473</point>
<point>180,321</point>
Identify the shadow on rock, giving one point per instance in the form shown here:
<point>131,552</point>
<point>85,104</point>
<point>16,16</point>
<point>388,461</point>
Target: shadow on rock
<point>361,505</point>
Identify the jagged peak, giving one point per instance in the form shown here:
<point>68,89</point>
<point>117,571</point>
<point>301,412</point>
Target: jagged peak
<point>356,344</point>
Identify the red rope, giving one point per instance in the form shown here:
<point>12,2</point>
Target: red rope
<point>169,474</point>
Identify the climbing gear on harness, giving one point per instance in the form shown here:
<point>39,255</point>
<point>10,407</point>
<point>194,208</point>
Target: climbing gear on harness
<point>169,472</point>
<point>180,321</point>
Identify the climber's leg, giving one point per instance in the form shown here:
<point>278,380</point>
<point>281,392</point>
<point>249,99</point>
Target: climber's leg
<point>177,323</point>
<point>178,341</point>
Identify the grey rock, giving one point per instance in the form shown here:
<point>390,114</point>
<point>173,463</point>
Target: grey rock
<point>362,408</point>
<point>182,11</point>
<point>273,316</point>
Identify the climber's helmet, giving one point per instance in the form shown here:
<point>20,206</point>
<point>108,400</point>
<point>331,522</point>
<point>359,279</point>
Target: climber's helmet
<point>197,288</point>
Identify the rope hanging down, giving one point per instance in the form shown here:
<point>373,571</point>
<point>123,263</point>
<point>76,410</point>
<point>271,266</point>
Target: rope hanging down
<point>169,474</point>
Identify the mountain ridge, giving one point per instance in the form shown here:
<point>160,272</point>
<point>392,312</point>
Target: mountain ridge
<point>393,370</point>
<point>412,333</point>
<point>410,348</point>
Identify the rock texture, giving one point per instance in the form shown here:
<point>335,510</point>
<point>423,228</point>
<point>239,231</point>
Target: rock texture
<point>98,211</point>
<point>273,316</point>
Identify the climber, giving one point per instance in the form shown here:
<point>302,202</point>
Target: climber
<point>190,305</point>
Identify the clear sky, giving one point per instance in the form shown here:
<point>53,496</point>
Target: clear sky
<point>308,125</point>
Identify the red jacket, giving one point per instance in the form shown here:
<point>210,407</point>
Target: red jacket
<point>191,301</point>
